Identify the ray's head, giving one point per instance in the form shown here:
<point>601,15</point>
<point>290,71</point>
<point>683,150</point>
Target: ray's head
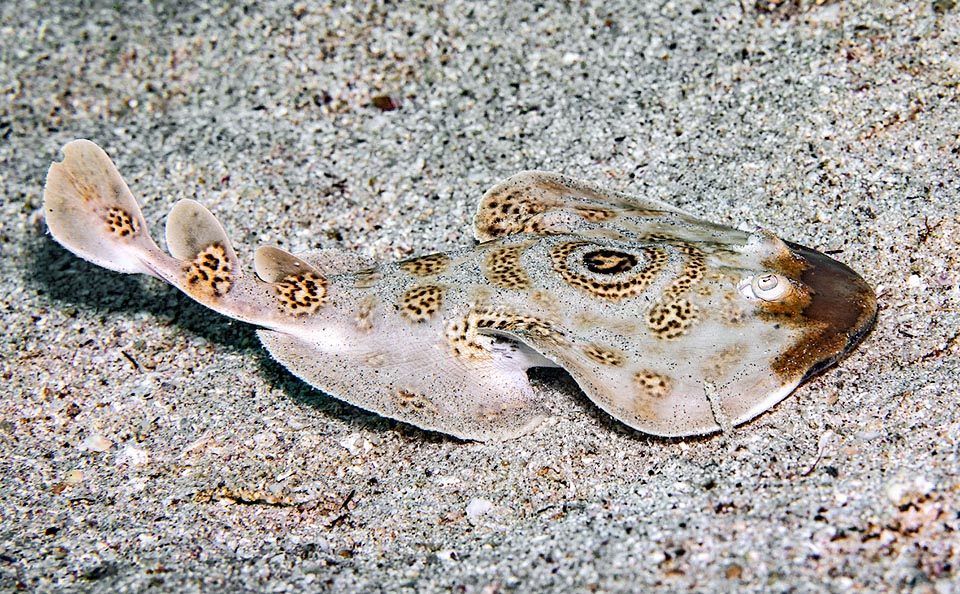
<point>830,305</point>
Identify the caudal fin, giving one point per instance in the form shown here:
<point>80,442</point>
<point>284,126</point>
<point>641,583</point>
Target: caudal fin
<point>91,211</point>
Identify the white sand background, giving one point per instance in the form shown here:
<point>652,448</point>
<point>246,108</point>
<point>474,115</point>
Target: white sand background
<point>149,445</point>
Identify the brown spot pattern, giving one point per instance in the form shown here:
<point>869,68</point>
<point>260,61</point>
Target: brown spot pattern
<point>429,265</point>
<point>646,213</point>
<point>120,223</point>
<point>651,385</point>
<point>613,289</point>
<point>535,226</point>
<point>301,294</point>
<point>658,238</point>
<point>421,302</point>
<point>732,312</point>
<point>518,324</point>
<point>501,266</point>
<point>608,261</point>
<point>671,320</point>
<point>673,315</point>
<point>604,355</point>
<point>464,340</point>
<point>505,214</point>
<point>414,404</point>
<point>595,214</point>
<point>209,274</point>
<point>692,273</point>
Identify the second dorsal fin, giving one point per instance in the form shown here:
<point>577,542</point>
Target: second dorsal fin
<point>191,228</point>
<point>195,237</point>
<point>273,265</point>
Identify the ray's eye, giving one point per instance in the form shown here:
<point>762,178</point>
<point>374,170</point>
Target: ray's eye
<point>768,286</point>
<point>767,282</point>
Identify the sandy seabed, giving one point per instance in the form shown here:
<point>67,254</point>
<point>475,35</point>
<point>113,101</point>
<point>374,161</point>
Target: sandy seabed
<point>149,445</point>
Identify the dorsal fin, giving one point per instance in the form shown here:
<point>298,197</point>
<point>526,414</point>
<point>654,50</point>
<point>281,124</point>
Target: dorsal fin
<point>273,264</point>
<point>191,228</point>
<point>541,202</point>
<point>195,237</point>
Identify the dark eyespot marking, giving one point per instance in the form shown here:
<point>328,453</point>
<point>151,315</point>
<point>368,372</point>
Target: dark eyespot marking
<point>607,273</point>
<point>607,261</point>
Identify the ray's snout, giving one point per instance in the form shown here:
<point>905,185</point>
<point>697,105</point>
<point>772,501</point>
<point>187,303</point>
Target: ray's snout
<point>841,312</point>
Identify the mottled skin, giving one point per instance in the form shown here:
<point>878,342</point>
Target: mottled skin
<point>672,325</point>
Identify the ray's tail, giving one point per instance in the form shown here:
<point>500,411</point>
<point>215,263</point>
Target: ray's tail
<point>91,212</point>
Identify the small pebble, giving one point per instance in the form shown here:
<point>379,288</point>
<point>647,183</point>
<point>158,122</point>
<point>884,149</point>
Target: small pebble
<point>478,507</point>
<point>96,443</point>
<point>132,456</point>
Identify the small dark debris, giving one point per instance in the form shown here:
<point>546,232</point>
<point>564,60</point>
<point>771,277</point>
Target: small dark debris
<point>733,571</point>
<point>942,6</point>
<point>71,410</point>
<point>348,499</point>
<point>130,358</point>
<point>385,102</point>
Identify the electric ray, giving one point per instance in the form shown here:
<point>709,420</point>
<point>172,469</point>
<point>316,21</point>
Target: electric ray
<point>672,325</point>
